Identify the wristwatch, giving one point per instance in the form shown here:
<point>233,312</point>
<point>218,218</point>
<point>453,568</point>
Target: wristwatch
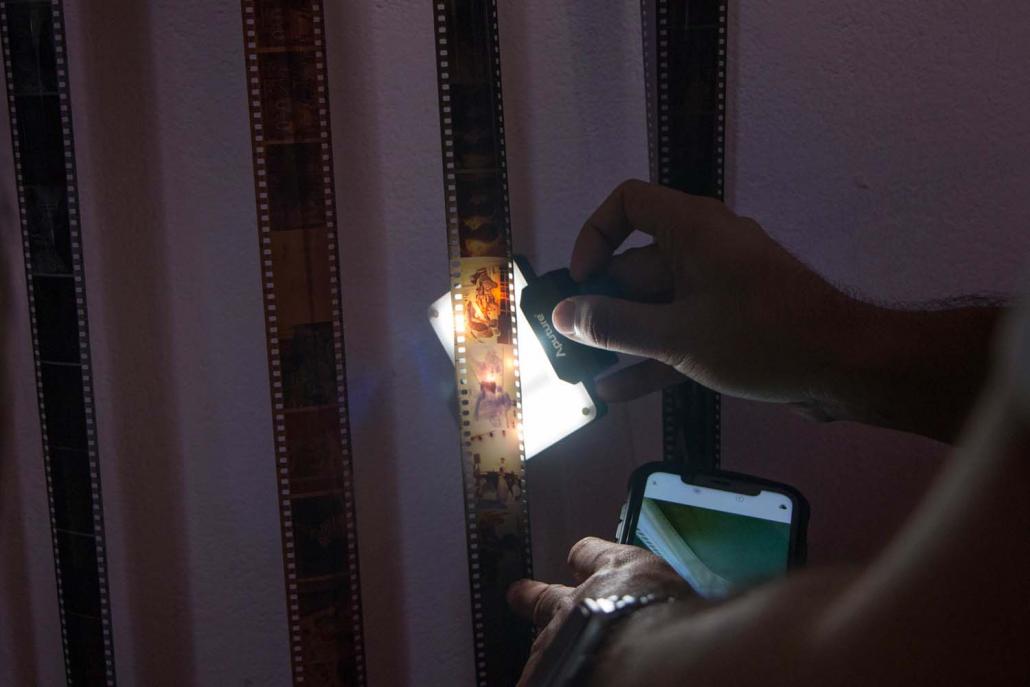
<point>569,658</point>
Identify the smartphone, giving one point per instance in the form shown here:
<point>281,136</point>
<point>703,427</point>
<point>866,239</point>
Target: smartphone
<point>721,531</point>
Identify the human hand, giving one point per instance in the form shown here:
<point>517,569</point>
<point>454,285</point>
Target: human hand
<point>601,568</point>
<point>713,298</point>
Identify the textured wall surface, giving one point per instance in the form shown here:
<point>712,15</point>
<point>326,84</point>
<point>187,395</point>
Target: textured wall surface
<point>890,149</point>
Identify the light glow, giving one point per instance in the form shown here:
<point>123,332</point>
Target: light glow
<point>552,409</point>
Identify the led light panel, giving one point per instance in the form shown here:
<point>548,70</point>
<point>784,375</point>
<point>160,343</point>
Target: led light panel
<point>552,409</point>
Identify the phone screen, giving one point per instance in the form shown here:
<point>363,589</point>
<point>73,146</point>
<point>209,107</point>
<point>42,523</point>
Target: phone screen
<point>718,541</point>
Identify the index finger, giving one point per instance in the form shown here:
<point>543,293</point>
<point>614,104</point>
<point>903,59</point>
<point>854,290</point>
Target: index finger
<point>589,554</point>
<point>634,205</point>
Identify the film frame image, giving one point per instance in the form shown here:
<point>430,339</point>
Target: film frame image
<point>482,216</point>
<point>328,633</point>
<point>492,385</point>
<point>285,23</point>
<point>475,144</point>
<point>485,301</point>
<point>289,95</point>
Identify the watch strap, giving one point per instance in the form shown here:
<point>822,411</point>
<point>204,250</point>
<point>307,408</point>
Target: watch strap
<point>570,657</point>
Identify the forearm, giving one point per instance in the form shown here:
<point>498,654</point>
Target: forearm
<point>941,605</point>
<point>762,638</point>
<point>916,371</point>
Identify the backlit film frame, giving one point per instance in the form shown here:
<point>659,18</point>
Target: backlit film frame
<point>287,89</point>
<point>485,337</point>
<point>38,96</point>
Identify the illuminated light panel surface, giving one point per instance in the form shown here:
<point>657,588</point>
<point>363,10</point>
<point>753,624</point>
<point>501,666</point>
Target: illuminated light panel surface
<point>552,409</point>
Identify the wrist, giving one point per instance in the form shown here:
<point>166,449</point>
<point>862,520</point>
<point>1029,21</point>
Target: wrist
<point>616,662</point>
<point>816,329</point>
<point>861,345</point>
<point>837,356</point>
<point>912,370</point>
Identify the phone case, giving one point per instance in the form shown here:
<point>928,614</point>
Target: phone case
<point>722,479</point>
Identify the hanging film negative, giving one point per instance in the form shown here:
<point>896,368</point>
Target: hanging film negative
<point>685,72</point>
<point>485,338</point>
<point>35,60</point>
<point>297,229</point>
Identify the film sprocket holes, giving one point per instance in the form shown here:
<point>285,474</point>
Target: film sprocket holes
<point>39,102</point>
<point>685,66</point>
<point>297,230</point>
<point>553,407</point>
<point>482,331</point>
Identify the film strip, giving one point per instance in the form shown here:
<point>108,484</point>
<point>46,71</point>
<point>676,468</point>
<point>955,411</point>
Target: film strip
<point>486,354</point>
<point>297,228</point>
<point>35,60</point>
<point>685,75</point>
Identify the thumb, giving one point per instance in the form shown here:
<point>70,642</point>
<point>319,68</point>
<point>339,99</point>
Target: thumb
<point>643,329</point>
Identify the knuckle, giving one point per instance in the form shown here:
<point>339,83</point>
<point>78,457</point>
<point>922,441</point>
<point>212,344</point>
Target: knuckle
<point>613,559</point>
<point>576,548</point>
<point>629,185</point>
<point>630,193</point>
<point>603,579</point>
<point>621,558</point>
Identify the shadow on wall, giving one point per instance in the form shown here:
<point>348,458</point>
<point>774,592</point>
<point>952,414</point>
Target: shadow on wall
<point>153,633</point>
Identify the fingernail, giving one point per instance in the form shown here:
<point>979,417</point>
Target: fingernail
<point>564,317</point>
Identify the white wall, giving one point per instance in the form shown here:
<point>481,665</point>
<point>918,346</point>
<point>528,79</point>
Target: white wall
<point>182,395</point>
<point>889,148</point>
